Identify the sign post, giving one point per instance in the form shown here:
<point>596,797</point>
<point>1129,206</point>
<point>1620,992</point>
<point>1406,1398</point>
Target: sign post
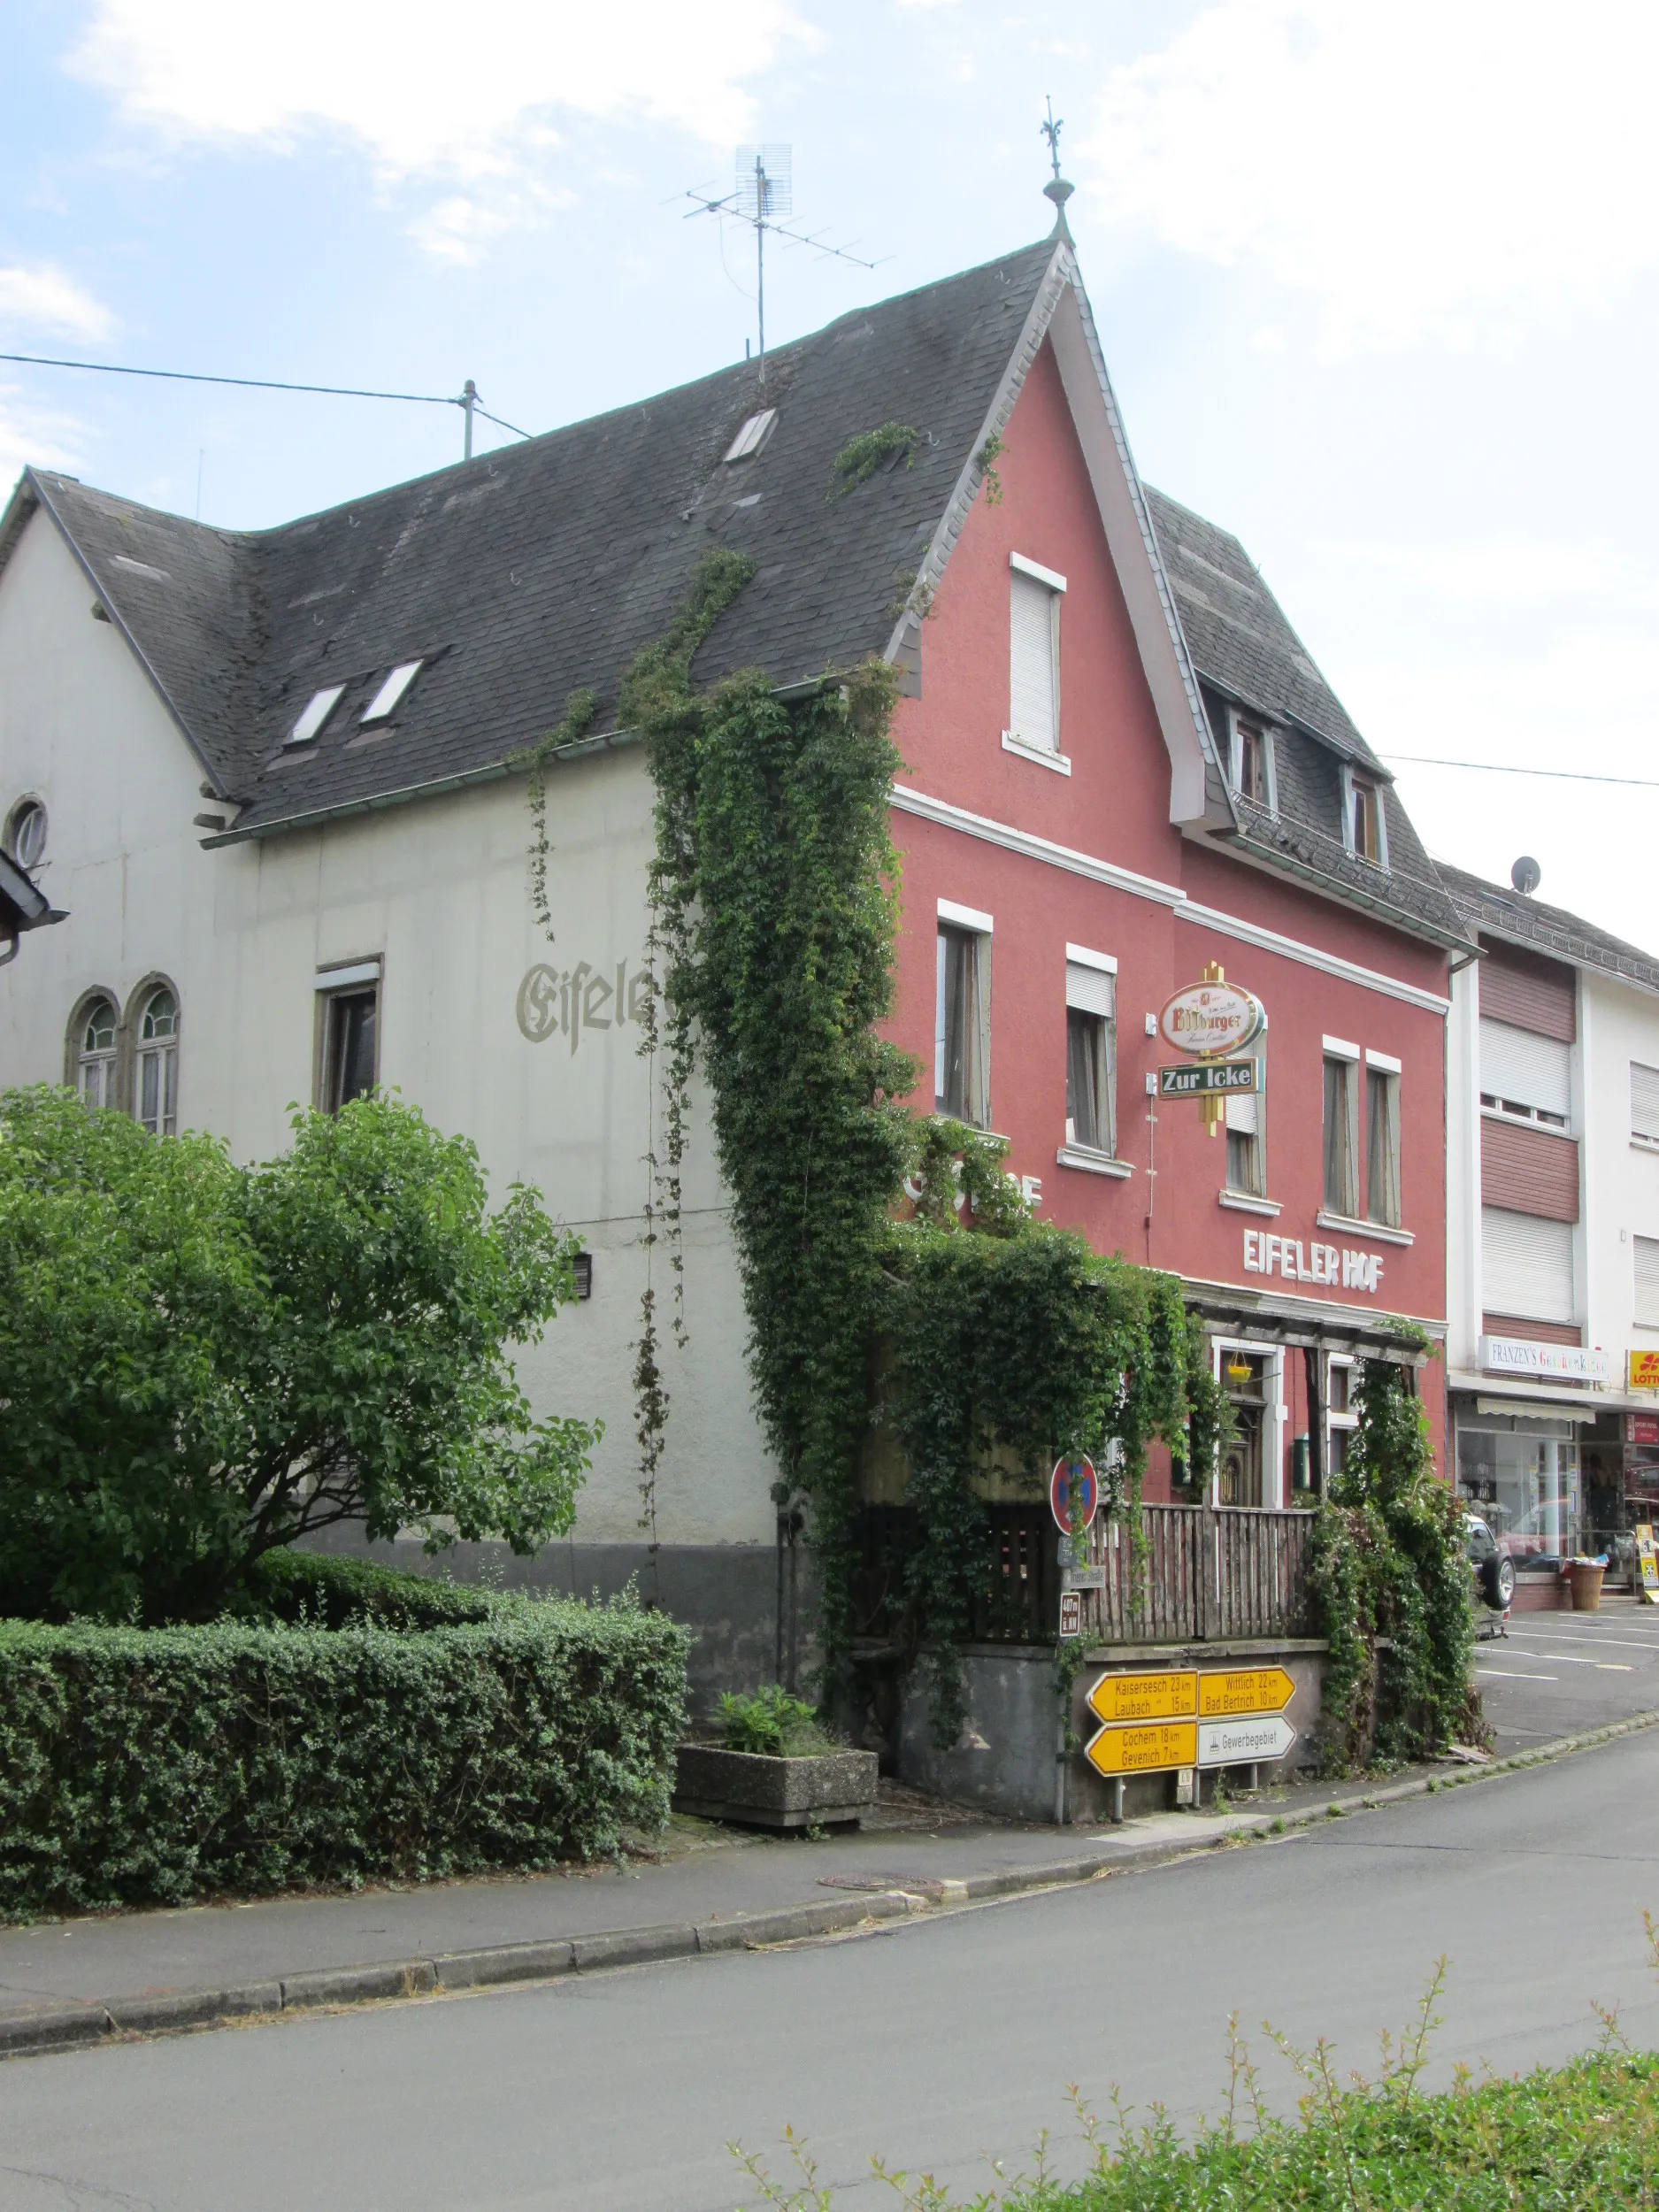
<point>1210,1019</point>
<point>1180,1719</point>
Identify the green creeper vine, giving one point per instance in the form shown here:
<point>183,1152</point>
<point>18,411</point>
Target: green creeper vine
<point>987,456</point>
<point>861,457</point>
<point>575,722</point>
<point>1391,1588</point>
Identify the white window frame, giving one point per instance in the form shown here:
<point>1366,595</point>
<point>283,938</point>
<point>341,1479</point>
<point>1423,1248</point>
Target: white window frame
<point>392,693</point>
<point>1053,583</point>
<point>162,1053</point>
<point>972,923</point>
<point>1374,784</point>
<point>1071,1153</point>
<point>1383,1064</point>
<point>106,1060</point>
<point>351,978</point>
<point>1639,1138</point>
<point>1275,1413</point>
<point>1338,1424</point>
<point>1237,720</point>
<point>1348,1060</point>
<point>751,435</point>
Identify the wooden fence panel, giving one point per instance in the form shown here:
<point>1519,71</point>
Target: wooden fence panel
<point>1206,1573</point>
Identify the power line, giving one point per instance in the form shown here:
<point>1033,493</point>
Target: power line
<point>1502,768</point>
<point>467,402</point>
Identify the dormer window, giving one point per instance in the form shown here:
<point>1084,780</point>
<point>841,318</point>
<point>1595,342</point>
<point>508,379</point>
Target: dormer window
<point>752,436</point>
<point>1364,832</point>
<point>386,700</point>
<point>318,707</point>
<point>1252,765</point>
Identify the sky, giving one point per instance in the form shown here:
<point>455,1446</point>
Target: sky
<point>1377,286</point>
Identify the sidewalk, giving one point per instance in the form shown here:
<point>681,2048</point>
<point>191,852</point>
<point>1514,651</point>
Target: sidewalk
<point>85,1981</point>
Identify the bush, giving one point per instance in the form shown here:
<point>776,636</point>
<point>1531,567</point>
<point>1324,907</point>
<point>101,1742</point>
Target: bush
<point>323,1590</point>
<point>771,1722</point>
<point>153,1766</point>
<point>202,1362</point>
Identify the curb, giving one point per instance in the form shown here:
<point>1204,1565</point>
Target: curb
<point>75,2027</point>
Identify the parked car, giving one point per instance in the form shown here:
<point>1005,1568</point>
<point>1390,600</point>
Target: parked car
<point>1493,1568</point>
<point>1536,1536</point>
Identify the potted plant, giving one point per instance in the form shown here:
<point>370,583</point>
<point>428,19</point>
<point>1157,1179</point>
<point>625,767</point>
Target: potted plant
<point>775,1767</point>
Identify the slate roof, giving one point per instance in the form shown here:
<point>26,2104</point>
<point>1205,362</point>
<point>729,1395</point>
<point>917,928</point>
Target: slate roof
<point>522,575</point>
<point>1496,910</point>
<point>1246,654</point>
<point>517,578</point>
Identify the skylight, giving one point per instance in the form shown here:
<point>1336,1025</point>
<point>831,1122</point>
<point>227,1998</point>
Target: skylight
<point>318,708</point>
<point>752,436</point>
<point>385,699</point>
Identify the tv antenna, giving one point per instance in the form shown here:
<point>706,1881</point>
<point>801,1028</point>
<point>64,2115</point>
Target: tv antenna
<point>762,196</point>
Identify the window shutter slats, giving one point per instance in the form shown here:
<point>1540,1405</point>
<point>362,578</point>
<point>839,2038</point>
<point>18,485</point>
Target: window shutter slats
<point>1525,1068</point>
<point>1091,990</point>
<point>1644,1102</point>
<point>1033,702</point>
<point>1525,1265</point>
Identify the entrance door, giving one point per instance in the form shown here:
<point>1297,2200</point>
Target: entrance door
<point>1244,1378</point>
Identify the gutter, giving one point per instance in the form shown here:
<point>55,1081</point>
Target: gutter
<point>578,748</point>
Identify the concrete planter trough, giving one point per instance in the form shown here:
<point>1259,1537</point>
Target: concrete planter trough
<point>825,1789</point>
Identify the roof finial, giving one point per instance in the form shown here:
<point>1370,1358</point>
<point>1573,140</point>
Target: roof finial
<point>1057,188</point>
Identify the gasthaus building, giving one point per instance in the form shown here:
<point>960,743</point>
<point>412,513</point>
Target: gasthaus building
<point>271,780</point>
<point>1553,1257</point>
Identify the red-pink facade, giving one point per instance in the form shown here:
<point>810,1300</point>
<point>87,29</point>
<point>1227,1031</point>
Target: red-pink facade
<point>1292,947</point>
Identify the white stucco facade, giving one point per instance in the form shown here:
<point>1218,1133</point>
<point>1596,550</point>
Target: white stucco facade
<point>437,891</point>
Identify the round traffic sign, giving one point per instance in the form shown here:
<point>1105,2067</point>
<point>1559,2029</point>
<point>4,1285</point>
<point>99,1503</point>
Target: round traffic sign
<point>1073,1487</point>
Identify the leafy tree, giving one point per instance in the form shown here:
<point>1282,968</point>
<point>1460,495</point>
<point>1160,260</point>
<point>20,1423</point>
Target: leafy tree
<point>200,1363</point>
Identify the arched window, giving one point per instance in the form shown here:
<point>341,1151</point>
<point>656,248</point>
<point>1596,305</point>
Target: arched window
<point>95,1053</point>
<point>156,1089</point>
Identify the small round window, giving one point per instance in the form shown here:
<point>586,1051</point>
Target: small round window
<point>26,833</point>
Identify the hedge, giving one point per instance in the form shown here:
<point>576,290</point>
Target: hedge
<point>330,1590</point>
<point>154,1766</point>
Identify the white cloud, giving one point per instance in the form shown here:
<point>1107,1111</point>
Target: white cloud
<point>44,298</point>
<point>1512,572</point>
<point>1418,170</point>
<point>35,434</point>
<point>462,101</point>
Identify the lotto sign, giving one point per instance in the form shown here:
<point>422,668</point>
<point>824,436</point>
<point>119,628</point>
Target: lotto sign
<point>1073,1492</point>
<point>1644,1370</point>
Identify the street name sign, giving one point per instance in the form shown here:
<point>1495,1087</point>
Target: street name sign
<point>1236,1743</point>
<point>1205,1079</point>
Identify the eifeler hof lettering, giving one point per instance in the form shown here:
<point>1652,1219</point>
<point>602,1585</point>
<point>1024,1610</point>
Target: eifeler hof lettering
<point>1265,1253</point>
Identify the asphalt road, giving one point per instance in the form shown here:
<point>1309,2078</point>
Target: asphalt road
<point>936,2044</point>
<point>1553,1674</point>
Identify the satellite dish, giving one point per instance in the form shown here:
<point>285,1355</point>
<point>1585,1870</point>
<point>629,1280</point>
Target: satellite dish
<point>1526,875</point>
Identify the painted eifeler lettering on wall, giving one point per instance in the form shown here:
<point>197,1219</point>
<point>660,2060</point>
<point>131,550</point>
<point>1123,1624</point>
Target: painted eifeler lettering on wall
<point>1265,1253</point>
<point>571,1002</point>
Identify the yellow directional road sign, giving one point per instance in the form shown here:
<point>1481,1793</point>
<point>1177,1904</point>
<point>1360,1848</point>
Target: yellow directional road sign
<point>1244,1690</point>
<point>1144,1749</point>
<point>1163,1696</point>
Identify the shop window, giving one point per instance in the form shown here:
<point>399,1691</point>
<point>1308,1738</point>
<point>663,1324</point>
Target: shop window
<point>1526,1486</point>
<point>1342,1133</point>
<point>1091,1055</point>
<point>348,1033</point>
<point>1382,1145</point>
<point>94,1044</point>
<point>962,1020</point>
<point>157,1073</point>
